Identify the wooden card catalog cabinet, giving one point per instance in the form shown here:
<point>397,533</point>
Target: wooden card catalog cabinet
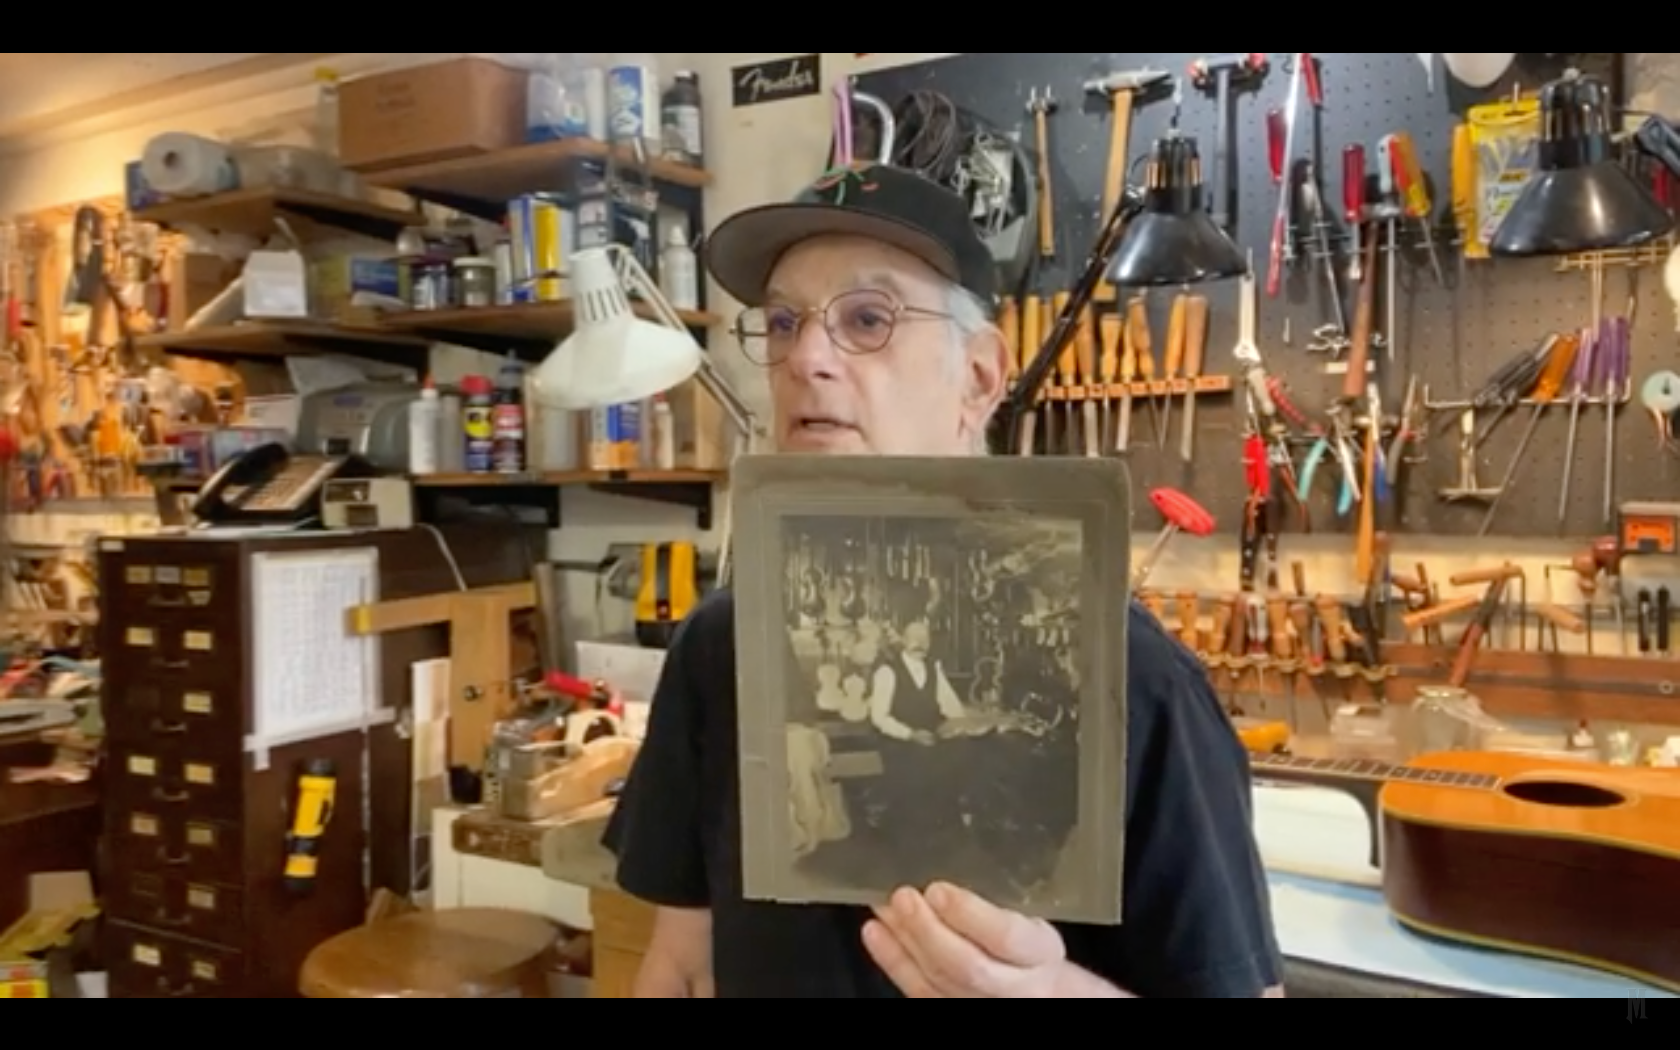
<point>198,805</point>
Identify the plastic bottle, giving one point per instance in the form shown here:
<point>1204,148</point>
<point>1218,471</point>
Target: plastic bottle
<point>664,435</point>
<point>679,117</point>
<point>566,98</point>
<point>451,443</point>
<point>477,431</point>
<point>633,101</point>
<point>507,419</point>
<point>326,111</point>
<point>424,414</point>
<point>679,271</point>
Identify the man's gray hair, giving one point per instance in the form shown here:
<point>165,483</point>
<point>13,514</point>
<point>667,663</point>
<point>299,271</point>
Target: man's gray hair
<point>970,316</point>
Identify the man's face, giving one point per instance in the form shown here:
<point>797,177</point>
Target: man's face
<point>917,638</point>
<point>923,394</point>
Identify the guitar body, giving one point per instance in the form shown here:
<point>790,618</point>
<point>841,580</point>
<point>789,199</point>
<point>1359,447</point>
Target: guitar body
<point>1573,861</point>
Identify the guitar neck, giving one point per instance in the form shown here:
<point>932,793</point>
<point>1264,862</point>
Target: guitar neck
<point>1346,772</point>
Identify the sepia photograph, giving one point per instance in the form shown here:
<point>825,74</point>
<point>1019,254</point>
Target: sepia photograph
<point>938,689</point>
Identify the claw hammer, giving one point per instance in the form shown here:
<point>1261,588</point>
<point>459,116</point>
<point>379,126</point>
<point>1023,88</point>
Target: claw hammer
<point>1121,89</point>
<point>1220,74</point>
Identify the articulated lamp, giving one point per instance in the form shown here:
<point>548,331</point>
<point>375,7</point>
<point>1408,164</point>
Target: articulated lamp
<point>616,356</point>
<point>1580,199</point>
<point>1174,240</point>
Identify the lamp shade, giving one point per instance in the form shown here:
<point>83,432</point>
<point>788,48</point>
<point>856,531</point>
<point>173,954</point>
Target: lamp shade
<point>612,357</point>
<point>1580,198</point>
<point>1174,240</point>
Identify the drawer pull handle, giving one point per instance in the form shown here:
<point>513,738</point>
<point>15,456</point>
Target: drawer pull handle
<point>163,918</point>
<point>168,603</point>
<point>172,665</point>
<point>163,728</point>
<point>173,860</point>
<point>170,796</point>
<point>174,991</point>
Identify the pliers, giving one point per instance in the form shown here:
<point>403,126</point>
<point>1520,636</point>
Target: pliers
<point>1405,433</point>
<point>1331,443</point>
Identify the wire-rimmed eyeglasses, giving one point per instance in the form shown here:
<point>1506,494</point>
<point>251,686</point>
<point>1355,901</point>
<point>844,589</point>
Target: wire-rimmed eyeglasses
<point>859,322</point>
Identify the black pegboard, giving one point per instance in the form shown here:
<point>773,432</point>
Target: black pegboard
<point>1450,337</point>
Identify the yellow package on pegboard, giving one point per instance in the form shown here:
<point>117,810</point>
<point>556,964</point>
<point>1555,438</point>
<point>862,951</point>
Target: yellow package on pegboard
<point>1505,144</point>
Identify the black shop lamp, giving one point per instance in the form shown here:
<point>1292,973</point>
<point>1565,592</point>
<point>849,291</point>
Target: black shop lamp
<point>1580,198</point>
<point>1174,240</point>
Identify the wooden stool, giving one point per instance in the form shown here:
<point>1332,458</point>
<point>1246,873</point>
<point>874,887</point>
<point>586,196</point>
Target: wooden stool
<point>464,953</point>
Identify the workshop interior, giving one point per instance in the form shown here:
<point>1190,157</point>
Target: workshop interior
<point>367,423</point>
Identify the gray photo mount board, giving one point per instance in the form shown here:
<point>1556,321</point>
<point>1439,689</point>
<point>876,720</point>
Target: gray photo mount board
<point>1046,526</point>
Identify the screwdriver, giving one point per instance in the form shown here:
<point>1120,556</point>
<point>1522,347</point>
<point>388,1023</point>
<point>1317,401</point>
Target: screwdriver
<point>1414,195</point>
<point>1353,205</point>
<point>1464,192</point>
<point>1580,388</point>
<point>1277,137</point>
<point>1554,377</point>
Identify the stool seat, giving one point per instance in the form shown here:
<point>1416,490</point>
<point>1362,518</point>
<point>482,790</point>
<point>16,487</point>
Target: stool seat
<point>462,953</point>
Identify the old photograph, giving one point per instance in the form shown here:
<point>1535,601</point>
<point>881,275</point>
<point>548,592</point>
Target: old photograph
<point>934,679</point>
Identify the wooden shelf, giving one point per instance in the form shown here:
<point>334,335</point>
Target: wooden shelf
<point>281,339</point>
<point>573,477</point>
<point>533,326</point>
<point>495,178</point>
<point>689,489</point>
<point>252,212</point>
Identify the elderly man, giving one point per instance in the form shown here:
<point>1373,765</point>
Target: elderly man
<point>869,300</point>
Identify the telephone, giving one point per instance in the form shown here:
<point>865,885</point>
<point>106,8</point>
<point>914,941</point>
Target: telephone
<point>271,485</point>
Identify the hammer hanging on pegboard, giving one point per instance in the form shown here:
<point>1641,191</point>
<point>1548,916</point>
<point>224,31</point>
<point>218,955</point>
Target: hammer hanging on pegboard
<point>1041,104</point>
<point>1122,90</point>
<point>1220,74</point>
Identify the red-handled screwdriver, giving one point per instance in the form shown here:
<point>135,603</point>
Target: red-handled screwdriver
<point>1353,205</point>
<point>1277,138</point>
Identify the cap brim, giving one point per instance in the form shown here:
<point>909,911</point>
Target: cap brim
<point>743,251</point>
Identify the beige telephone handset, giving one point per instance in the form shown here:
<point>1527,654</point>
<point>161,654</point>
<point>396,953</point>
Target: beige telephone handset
<point>269,484</point>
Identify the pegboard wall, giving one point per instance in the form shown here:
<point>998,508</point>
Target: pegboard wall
<point>1451,335</point>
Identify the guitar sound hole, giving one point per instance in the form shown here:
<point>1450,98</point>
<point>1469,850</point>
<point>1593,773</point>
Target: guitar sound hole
<point>1563,794</point>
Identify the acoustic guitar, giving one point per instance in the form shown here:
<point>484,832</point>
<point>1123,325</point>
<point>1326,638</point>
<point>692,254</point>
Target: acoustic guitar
<point>1578,862</point>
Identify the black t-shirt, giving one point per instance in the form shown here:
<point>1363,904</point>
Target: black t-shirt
<point>1197,915</point>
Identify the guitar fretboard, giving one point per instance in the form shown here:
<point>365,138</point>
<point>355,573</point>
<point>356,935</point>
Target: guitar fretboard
<point>1366,769</point>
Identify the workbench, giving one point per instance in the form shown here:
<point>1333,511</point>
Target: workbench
<point>1338,939</point>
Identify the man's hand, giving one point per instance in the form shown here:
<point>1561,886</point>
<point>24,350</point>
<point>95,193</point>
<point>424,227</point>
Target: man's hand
<point>948,943</point>
<point>924,738</point>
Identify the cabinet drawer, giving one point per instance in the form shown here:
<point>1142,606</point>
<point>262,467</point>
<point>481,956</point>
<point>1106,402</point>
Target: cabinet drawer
<point>144,585</point>
<point>152,838</point>
<point>147,964</point>
<point>206,719</point>
<point>198,910</point>
<point>176,780</point>
<point>193,648</point>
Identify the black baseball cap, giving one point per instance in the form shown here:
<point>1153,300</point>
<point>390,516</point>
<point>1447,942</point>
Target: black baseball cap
<point>882,203</point>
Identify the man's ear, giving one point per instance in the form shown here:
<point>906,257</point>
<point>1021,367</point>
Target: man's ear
<point>987,377</point>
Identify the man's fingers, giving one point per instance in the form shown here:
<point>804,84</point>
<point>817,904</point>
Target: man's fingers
<point>895,961</point>
<point>1007,936</point>
<point>955,965</point>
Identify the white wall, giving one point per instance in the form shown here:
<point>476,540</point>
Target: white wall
<point>757,154</point>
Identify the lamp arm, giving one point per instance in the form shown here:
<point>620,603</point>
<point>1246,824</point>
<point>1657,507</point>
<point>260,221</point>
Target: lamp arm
<point>636,282</point>
<point>1028,387</point>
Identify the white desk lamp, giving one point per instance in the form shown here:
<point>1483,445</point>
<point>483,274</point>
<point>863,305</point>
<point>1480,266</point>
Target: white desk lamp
<point>614,356</point>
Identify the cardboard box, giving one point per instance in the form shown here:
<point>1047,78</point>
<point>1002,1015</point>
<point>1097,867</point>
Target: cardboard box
<point>429,113</point>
